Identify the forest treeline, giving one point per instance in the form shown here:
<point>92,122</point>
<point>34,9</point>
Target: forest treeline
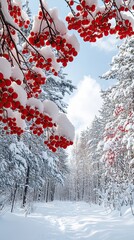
<point>102,162</point>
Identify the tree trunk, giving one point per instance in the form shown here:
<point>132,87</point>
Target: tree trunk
<point>47,191</point>
<point>52,192</point>
<point>26,187</point>
<point>14,194</point>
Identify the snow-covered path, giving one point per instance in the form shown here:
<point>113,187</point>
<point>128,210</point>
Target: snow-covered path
<point>67,221</point>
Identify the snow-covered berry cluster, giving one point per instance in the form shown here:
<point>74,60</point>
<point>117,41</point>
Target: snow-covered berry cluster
<point>18,15</point>
<point>54,141</point>
<point>93,21</point>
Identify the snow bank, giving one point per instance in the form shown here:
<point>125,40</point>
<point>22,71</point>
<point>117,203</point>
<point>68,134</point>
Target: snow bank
<point>66,221</point>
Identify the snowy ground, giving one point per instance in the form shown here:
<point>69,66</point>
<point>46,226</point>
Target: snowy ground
<point>66,221</point>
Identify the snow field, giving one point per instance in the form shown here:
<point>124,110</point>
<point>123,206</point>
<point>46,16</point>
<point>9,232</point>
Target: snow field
<point>67,221</point>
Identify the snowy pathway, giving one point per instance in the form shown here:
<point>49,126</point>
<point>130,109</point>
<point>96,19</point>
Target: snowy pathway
<point>67,221</point>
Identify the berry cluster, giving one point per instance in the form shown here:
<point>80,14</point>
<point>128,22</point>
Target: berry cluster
<point>110,157</point>
<point>122,129</point>
<point>7,94</point>
<point>49,36</point>
<point>41,121</point>
<point>38,39</point>
<point>118,110</point>
<point>93,24</point>
<point>109,133</point>
<point>66,51</point>
<point>39,61</point>
<point>34,81</point>
<point>11,125</point>
<point>16,13</point>
<point>9,100</point>
<point>55,141</point>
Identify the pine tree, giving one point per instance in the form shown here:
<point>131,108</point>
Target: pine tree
<point>118,142</point>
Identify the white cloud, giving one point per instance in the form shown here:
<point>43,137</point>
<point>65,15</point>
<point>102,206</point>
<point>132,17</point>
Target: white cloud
<point>85,103</point>
<point>107,43</point>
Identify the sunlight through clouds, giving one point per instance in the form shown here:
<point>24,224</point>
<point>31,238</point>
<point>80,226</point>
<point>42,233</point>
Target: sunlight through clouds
<point>85,103</point>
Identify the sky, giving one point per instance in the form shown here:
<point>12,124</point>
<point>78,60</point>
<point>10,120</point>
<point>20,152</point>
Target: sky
<point>92,61</point>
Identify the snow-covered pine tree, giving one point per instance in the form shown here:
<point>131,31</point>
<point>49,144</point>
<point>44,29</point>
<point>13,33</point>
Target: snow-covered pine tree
<point>119,134</point>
